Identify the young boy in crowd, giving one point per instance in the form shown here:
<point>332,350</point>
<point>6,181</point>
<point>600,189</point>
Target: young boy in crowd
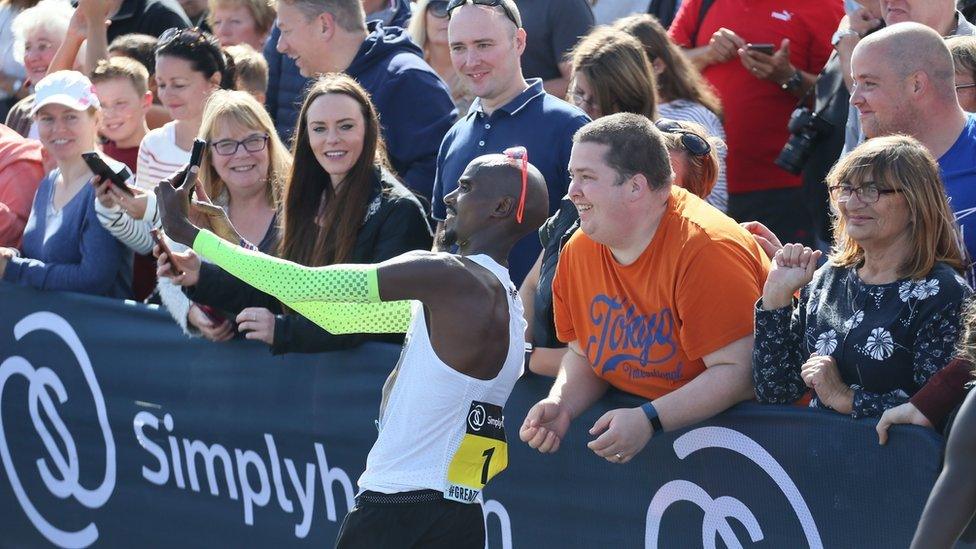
<point>122,87</point>
<point>251,69</point>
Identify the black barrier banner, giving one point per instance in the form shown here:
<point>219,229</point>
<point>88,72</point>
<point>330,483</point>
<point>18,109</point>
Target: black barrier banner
<point>117,431</point>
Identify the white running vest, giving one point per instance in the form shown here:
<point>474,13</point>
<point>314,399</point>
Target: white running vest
<point>440,429</point>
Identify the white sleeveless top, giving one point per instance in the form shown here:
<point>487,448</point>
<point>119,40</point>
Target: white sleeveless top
<point>435,416</point>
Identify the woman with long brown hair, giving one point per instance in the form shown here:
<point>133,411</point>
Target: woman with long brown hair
<point>684,94</point>
<point>341,204</point>
<point>875,323</point>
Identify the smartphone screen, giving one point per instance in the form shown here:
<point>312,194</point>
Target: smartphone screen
<point>163,247</point>
<point>768,49</point>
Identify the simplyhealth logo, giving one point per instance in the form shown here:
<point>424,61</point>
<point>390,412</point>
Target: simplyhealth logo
<point>65,480</point>
<point>628,336</point>
<point>718,511</point>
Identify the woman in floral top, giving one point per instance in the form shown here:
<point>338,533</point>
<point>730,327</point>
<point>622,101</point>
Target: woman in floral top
<point>882,316</point>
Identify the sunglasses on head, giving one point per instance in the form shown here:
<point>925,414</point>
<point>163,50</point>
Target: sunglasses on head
<point>189,36</point>
<point>438,8</point>
<point>691,142</point>
<point>454,4</point>
<point>519,156</point>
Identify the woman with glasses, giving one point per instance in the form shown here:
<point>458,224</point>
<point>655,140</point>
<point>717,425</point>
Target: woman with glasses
<point>683,92</point>
<point>963,49</point>
<point>428,27</point>
<point>882,316</point>
<point>341,204</point>
<point>242,169</point>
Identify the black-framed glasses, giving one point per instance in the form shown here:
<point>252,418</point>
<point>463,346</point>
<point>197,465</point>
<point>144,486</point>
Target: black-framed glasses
<point>438,8</point>
<point>253,144</point>
<point>692,142</point>
<point>869,193</point>
<point>454,4</point>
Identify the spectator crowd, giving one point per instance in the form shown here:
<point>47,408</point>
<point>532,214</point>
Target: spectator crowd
<point>749,200</point>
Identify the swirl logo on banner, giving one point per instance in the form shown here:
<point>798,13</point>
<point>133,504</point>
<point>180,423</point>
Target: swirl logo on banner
<point>719,510</point>
<point>64,481</point>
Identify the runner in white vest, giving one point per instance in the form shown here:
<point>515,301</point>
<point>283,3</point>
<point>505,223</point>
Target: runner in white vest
<point>442,434</point>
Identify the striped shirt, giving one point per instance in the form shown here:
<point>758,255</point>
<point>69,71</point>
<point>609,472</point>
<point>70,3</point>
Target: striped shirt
<point>689,111</point>
<point>159,157</point>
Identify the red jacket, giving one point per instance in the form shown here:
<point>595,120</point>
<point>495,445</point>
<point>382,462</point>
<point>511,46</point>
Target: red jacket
<point>21,170</point>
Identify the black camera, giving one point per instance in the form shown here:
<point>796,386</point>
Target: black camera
<point>806,128</point>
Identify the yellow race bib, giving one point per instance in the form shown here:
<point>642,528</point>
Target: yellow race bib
<point>483,453</point>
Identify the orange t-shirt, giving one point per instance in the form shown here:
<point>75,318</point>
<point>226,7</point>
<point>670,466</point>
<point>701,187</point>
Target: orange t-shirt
<point>645,327</point>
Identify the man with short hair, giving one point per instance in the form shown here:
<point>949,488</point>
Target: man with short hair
<point>464,351</point>
<point>414,105</point>
<point>250,70</point>
<point>905,83</point>
<point>655,295</point>
<point>486,42</point>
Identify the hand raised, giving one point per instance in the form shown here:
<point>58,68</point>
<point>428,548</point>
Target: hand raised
<point>174,208</point>
<point>766,239</point>
<point>792,268</point>
<point>545,425</point>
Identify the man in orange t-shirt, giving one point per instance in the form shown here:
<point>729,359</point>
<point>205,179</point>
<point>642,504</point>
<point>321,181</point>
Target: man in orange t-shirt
<point>655,296</point>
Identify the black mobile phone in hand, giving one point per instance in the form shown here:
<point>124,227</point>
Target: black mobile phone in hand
<point>101,169</point>
<point>196,156</point>
<point>768,49</point>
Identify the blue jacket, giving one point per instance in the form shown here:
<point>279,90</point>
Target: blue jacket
<point>81,256</point>
<point>414,104</point>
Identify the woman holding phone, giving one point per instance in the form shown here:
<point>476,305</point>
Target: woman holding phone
<point>342,204</point>
<point>64,247</point>
<point>190,66</point>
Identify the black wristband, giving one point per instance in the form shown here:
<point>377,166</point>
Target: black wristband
<point>651,412</point>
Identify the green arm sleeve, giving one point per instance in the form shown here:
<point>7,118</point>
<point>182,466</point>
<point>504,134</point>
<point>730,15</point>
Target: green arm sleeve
<point>290,282</point>
<point>342,299</point>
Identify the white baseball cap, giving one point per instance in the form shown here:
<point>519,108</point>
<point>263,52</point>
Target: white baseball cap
<point>69,88</point>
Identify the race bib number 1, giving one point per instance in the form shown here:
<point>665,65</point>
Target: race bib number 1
<point>483,453</point>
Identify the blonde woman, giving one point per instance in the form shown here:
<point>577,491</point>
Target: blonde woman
<point>882,316</point>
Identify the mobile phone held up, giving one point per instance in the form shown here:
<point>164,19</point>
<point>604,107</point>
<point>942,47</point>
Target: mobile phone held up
<point>98,167</point>
<point>157,237</point>
<point>196,156</point>
<point>767,49</point>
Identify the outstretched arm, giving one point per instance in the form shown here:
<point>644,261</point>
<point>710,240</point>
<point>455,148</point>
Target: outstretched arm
<point>953,499</point>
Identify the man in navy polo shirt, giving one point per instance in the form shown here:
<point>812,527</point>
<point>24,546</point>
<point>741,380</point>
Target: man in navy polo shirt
<point>486,43</point>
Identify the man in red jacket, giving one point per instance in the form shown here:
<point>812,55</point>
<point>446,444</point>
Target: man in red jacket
<point>21,170</point>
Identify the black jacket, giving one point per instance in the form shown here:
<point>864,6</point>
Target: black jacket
<point>395,223</point>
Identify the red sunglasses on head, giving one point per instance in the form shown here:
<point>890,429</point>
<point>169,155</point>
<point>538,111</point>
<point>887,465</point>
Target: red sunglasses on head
<point>520,157</point>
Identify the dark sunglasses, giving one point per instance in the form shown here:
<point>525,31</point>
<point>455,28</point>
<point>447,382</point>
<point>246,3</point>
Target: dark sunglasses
<point>438,8</point>
<point>520,157</point>
<point>454,4</point>
<point>188,36</point>
<point>691,142</point>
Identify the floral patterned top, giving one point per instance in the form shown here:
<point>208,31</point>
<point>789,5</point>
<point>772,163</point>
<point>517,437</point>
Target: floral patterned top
<point>887,339</point>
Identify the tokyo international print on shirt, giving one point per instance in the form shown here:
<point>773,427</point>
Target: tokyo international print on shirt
<point>887,339</point>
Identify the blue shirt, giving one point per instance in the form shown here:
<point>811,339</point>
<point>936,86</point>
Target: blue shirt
<point>81,256</point>
<point>958,167</point>
<point>541,123</point>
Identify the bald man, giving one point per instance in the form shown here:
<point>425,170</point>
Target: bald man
<point>904,83</point>
<point>441,432</point>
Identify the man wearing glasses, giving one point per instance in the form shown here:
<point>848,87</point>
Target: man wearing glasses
<point>654,295</point>
<point>904,83</point>
<point>486,39</point>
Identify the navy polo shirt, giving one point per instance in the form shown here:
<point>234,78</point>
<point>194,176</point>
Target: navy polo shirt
<point>541,123</point>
